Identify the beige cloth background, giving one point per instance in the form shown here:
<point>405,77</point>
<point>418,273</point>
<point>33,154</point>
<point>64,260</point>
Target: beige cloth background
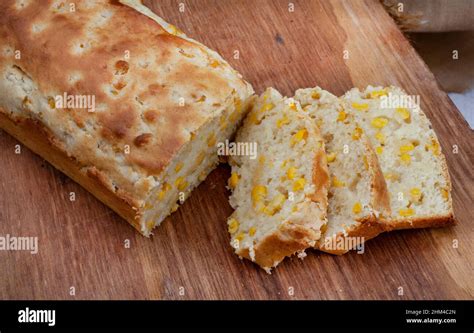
<point>436,28</point>
<point>433,15</point>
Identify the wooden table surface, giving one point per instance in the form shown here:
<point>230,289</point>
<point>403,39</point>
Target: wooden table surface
<point>82,243</point>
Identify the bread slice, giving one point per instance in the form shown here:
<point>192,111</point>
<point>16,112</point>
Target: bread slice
<point>358,197</point>
<point>409,154</point>
<point>162,101</point>
<point>279,197</point>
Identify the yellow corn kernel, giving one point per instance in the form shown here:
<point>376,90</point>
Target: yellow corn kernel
<point>267,107</point>
<point>192,136</point>
<point>366,163</point>
<point>319,122</point>
<point>234,179</point>
<point>337,183</point>
<point>299,184</point>
<point>201,99</point>
<point>315,95</point>
<point>180,183</point>
<point>266,210</point>
<point>360,106</point>
<point>392,176</point>
<point>178,167</point>
<point>233,226</point>
<point>240,237</point>
<point>52,103</point>
<point>223,123</point>
<point>283,121</point>
<point>331,157</point>
<point>174,208</point>
<point>277,201</point>
<point>378,93</point>
<point>406,148</point>
<point>252,231</point>
<point>238,104</point>
<point>357,133</point>
<point>259,192</point>
<point>148,206</point>
<point>292,106</point>
<point>165,188</point>
<point>200,158</point>
<point>291,172</point>
<point>379,122</point>
<point>214,63</point>
<point>415,191</point>
<point>261,159</point>
<point>161,195</point>
<point>445,193</point>
<point>380,137</point>
<point>406,158</point>
<point>433,147</point>
<point>298,136</point>
<point>379,150</point>
<point>357,208</point>
<point>202,176</point>
<point>150,224</point>
<point>253,118</point>
<point>211,140</point>
<point>341,116</point>
<point>174,30</point>
<point>404,113</point>
<point>415,194</point>
<point>406,212</point>
<point>222,119</point>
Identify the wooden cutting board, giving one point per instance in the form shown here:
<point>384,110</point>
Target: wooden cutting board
<point>82,244</point>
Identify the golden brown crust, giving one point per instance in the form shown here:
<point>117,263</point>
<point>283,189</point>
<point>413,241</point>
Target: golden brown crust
<point>101,68</point>
<point>420,222</point>
<point>38,139</point>
<point>366,229</point>
<point>127,91</point>
<point>286,241</point>
<point>152,88</point>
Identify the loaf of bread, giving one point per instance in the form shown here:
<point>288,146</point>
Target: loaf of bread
<point>358,197</point>
<point>116,98</point>
<point>279,194</point>
<point>409,154</point>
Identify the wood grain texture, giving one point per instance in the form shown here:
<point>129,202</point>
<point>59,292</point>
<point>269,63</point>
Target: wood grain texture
<point>81,243</point>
